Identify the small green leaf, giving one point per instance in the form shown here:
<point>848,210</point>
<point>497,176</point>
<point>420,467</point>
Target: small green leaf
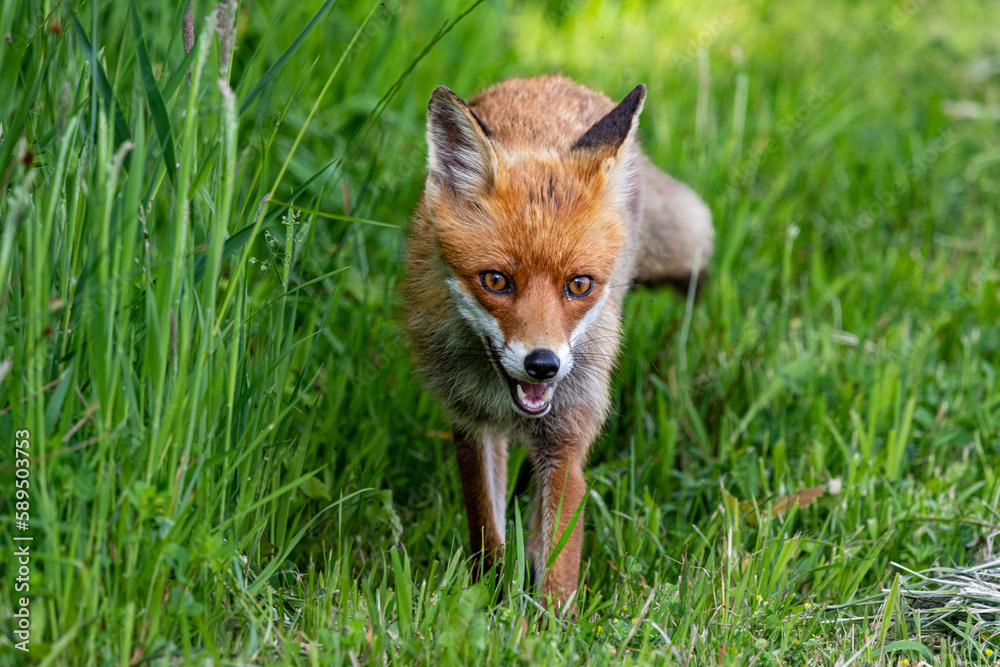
<point>404,592</point>
<point>274,69</point>
<point>564,538</point>
<point>161,120</point>
<point>910,645</point>
<point>101,80</point>
<point>315,489</point>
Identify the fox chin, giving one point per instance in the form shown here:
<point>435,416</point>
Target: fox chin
<point>539,212</point>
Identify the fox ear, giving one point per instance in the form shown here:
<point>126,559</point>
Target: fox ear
<point>607,136</point>
<point>461,159</point>
<point>609,146</point>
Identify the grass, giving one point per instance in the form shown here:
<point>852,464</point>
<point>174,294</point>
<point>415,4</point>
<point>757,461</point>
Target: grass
<point>231,461</point>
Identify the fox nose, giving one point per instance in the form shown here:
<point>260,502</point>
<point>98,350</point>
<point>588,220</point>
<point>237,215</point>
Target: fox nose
<point>541,364</point>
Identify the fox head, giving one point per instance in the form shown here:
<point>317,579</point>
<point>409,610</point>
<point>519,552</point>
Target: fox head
<point>530,235</point>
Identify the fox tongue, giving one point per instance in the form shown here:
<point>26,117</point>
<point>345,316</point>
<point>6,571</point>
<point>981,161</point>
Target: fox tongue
<point>533,397</point>
<point>533,390</point>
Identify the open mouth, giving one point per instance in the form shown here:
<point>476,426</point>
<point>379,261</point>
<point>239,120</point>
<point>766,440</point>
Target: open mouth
<point>531,398</point>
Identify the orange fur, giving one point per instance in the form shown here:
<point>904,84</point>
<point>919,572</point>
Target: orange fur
<point>540,180</point>
<point>550,236</point>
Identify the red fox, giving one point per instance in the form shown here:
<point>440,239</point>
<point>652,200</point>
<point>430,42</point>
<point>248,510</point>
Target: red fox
<point>538,213</point>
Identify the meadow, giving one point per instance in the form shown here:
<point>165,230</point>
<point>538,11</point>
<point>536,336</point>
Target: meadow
<point>202,218</point>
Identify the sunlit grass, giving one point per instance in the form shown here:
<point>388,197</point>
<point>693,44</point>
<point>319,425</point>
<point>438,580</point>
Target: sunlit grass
<point>232,460</point>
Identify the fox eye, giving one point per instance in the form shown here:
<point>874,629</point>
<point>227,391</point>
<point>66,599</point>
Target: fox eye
<point>580,286</point>
<point>494,281</point>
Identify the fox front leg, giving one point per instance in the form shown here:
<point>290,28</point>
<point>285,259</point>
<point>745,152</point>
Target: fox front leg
<point>559,490</point>
<point>482,467</point>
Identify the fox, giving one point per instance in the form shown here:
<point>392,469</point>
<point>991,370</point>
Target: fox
<point>538,213</point>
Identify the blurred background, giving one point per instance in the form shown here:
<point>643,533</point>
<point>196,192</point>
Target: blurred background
<point>224,415</point>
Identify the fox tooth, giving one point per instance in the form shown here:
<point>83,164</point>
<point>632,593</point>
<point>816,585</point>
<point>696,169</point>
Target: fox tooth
<point>520,393</point>
<point>547,394</point>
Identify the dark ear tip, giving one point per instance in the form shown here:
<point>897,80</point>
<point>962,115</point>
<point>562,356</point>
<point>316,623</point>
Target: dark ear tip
<point>441,94</point>
<point>638,94</point>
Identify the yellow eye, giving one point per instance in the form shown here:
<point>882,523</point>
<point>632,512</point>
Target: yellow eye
<point>580,286</point>
<point>494,281</point>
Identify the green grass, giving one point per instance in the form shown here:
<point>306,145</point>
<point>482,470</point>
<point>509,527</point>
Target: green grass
<point>231,460</point>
